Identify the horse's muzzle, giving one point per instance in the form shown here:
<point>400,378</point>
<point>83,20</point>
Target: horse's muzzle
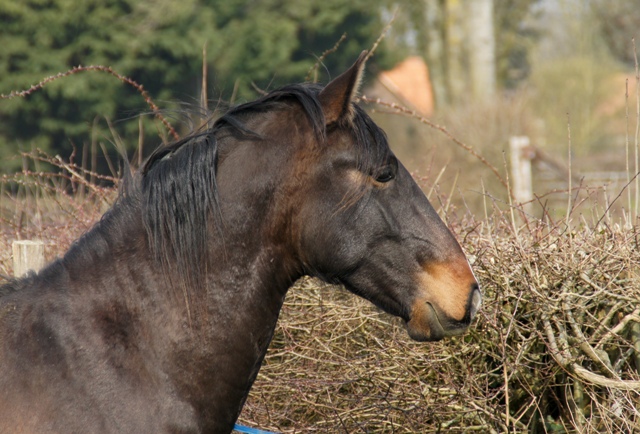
<point>430,323</point>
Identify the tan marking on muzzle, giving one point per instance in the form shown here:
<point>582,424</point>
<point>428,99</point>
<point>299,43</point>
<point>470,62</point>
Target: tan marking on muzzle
<point>424,324</point>
<point>447,286</point>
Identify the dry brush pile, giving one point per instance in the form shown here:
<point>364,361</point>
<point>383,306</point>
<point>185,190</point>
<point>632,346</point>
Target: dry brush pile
<point>556,348</point>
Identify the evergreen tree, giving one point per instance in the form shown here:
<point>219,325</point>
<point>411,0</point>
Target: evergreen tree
<point>159,44</point>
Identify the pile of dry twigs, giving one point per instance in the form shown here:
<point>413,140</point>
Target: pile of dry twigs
<point>555,349</point>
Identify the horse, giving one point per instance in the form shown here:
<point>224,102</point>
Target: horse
<point>157,319</point>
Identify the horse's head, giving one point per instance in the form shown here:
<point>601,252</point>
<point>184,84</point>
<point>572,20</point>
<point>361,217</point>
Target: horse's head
<point>309,171</point>
<point>361,220</point>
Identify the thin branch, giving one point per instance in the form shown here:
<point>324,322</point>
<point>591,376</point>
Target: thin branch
<point>383,34</point>
<point>314,68</point>
<point>399,109</point>
<point>107,69</point>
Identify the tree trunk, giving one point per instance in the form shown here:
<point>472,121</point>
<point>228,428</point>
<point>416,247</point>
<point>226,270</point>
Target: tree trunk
<point>482,48</point>
<point>457,73</point>
<point>435,52</point>
<point>460,49</point>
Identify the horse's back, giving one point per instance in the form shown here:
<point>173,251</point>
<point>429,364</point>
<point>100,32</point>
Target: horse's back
<point>31,359</point>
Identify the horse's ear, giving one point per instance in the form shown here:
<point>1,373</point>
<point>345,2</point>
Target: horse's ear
<point>336,97</point>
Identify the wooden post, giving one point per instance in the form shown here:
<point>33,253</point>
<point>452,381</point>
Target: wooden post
<point>27,255</point>
<point>521,181</point>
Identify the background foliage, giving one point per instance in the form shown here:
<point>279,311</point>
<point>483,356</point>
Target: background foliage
<point>159,44</point>
<point>561,55</point>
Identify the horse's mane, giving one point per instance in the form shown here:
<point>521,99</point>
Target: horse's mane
<point>178,181</point>
<point>178,188</point>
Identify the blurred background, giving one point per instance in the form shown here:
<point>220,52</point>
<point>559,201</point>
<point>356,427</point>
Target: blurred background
<point>554,71</point>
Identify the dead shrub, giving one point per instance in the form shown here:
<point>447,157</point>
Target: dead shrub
<point>556,347</point>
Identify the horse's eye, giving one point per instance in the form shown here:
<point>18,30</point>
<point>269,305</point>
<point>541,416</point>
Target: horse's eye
<point>384,175</point>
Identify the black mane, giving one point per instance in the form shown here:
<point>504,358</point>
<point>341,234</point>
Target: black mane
<point>178,189</point>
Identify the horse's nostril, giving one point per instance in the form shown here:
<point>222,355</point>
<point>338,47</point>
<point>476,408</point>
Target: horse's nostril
<point>476,300</point>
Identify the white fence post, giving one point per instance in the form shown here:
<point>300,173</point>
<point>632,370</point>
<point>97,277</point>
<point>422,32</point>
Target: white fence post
<point>27,255</point>
<point>521,180</point>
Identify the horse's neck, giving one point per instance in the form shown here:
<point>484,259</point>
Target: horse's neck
<point>218,362</point>
<point>208,341</point>
<point>242,293</point>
